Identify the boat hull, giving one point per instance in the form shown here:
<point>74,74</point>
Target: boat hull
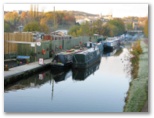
<point>87,64</point>
<point>108,49</point>
<point>60,67</point>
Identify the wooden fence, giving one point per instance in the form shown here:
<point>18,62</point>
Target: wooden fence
<point>11,48</point>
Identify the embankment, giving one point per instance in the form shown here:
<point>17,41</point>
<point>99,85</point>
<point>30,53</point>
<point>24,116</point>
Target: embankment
<point>137,95</point>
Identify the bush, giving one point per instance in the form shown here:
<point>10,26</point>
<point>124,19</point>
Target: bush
<point>136,51</point>
<point>32,26</point>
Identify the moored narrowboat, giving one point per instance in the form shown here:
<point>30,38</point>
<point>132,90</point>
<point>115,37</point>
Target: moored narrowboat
<point>63,59</point>
<point>111,43</point>
<point>86,58</point>
<point>100,46</point>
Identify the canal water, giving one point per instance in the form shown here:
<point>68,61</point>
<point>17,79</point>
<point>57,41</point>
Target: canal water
<point>100,88</point>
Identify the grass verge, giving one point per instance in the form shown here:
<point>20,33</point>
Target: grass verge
<point>138,90</point>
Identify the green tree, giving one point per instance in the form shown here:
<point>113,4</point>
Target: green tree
<point>97,27</point>
<point>6,27</point>
<point>129,26</point>
<point>12,19</point>
<point>85,28</point>
<point>44,28</point>
<point>23,17</point>
<point>113,30</point>
<point>106,30</point>
<point>32,26</point>
<point>146,28</point>
<point>74,30</point>
<point>118,25</point>
<point>58,19</point>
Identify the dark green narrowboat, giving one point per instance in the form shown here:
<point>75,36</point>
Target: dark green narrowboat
<point>86,58</point>
<point>63,60</point>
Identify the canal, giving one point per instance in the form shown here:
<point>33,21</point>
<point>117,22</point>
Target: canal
<point>100,88</point>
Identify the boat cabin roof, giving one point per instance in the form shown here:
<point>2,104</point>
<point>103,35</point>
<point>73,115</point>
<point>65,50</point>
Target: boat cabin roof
<point>112,39</point>
<point>88,51</point>
<point>68,52</point>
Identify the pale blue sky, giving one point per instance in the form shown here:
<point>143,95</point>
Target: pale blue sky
<point>118,10</point>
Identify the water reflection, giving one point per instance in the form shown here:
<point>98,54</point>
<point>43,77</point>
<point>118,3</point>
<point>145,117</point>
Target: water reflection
<point>79,74</point>
<point>115,52</point>
<point>33,81</point>
<point>60,75</point>
<point>41,78</point>
<point>127,64</point>
<point>109,53</point>
<point>100,88</point>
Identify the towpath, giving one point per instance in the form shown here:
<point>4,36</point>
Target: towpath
<point>24,68</point>
<point>145,108</point>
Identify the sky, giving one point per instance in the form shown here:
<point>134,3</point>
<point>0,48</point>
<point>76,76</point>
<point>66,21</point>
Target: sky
<point>117,10</point>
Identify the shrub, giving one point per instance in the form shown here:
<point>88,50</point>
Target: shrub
<point>136,51</point>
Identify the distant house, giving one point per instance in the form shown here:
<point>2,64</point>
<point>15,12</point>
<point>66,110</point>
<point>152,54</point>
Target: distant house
<point>104,20</point>
<point>84,20</point>
<point>38,36</point>
<point>106,17</point>
<point>135,25</point>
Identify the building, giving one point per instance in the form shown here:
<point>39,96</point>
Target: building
<point>135,25</point>
<point>60,32</point>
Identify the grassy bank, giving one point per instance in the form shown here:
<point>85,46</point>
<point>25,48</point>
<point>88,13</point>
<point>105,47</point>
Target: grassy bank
<point>135,52</point>
<point>138,91</point>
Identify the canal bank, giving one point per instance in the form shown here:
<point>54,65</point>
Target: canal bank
<point>16,73</point>
<point>137,97</point>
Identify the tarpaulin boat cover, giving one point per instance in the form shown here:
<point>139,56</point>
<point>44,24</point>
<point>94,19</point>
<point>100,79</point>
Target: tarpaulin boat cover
<point>23,57</point>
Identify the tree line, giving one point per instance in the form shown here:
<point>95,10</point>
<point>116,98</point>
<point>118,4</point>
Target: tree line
<point>50,21</point>
<point>37,21</point>
<point>113,27</point>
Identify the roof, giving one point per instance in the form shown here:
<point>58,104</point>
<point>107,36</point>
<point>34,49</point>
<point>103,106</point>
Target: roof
<point>111,39</point>
<point>72,51</point>
<point>88,50</point>
<point>60,32</point>
<point>23,57</point>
